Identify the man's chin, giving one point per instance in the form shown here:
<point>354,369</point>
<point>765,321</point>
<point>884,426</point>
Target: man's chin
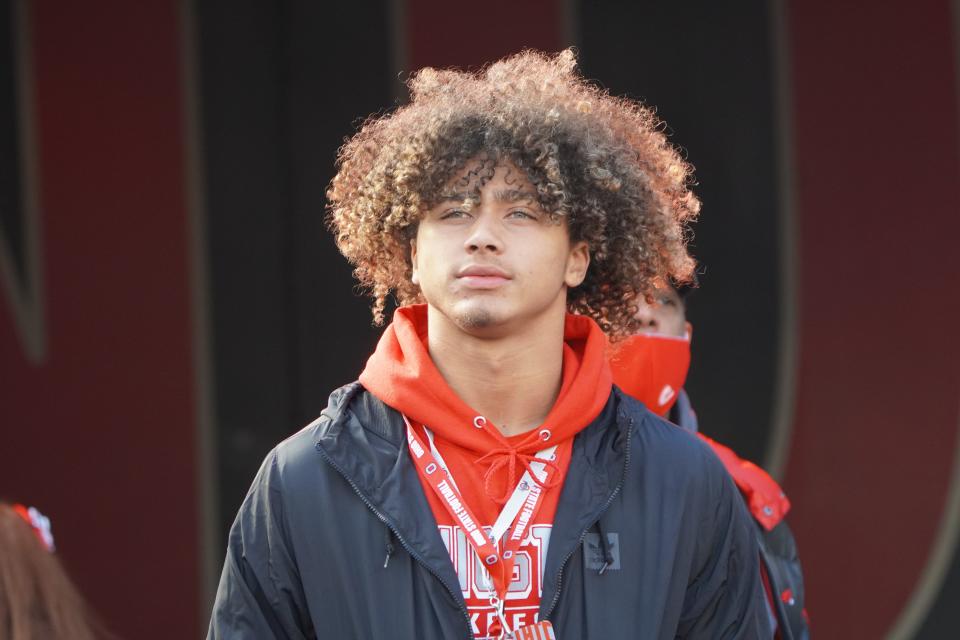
<point>478,319</point>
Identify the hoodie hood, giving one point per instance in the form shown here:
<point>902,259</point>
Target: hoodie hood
<point>402,375</point>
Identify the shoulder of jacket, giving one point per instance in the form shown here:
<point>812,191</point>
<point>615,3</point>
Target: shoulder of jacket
<point>347,402</point>
<point>767,502</point>
<point>649,426</point>
<point>351,416</point>
<point>675,451</point>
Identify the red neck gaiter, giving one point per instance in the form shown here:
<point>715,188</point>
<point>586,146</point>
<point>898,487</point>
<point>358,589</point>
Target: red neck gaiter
<point>652,368</point>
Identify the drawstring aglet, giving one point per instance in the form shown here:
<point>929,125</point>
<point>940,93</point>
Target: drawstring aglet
<point>388,534</point>
<point>604,545</point>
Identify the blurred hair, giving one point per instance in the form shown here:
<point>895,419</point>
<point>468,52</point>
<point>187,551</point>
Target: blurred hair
<point>601,163</point>
<point>37,599</point>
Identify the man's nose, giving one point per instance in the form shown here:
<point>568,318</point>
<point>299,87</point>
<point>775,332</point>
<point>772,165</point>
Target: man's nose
<point>483,234</point>
<point>646,317</point>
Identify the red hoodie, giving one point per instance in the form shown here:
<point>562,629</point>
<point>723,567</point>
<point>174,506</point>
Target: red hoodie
<point>402,375</point>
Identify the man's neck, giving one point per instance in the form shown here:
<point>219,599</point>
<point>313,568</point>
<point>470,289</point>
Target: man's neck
<point>513,381</point>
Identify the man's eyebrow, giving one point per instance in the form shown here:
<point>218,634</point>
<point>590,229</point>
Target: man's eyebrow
<point>453,197</point>
<point>501,195</point>
<point>514,195</point>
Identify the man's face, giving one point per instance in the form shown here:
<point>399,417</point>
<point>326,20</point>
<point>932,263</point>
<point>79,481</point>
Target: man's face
<point>667,315</point>
<point>500,263</point>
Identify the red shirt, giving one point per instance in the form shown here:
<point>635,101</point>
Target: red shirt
<point>522,602</point>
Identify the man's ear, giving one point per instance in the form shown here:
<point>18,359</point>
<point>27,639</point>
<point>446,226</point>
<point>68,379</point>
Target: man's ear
<point>689,330</point>
<point>577,263</point>
<point>414,276</point>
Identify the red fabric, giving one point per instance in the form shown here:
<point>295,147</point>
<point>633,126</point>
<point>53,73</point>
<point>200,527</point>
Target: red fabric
<point>522,605</point>
<point>652,368</point>
<point>462,464</point>
<point>765,499</point>
<point>401,374</point>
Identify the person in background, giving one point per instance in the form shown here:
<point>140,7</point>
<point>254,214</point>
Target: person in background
<point>38,601</point>
<point>652,366</point>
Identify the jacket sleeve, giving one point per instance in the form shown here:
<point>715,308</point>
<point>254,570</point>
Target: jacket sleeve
<point>725,599</point>
<point>260,594</point>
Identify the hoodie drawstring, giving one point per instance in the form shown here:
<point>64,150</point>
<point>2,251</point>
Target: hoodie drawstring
<point>388,535</point>
<point>509,457</point>
<point>604,548</point>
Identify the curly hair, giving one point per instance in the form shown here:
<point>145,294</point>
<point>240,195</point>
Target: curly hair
<point>600,162</point>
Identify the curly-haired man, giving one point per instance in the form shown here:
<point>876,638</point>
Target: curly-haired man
<point>484,478</point>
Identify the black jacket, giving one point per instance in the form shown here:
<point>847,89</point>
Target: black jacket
<point>336,539</point>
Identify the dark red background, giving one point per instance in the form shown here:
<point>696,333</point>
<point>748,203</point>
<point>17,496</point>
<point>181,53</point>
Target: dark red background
<point>101,434</point>
<point>876,134</point>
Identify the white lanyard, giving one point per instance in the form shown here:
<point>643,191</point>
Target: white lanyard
<point>512,507</point>
<point>526,498</point>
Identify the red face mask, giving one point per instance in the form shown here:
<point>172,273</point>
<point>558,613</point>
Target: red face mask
<point>652,368</point>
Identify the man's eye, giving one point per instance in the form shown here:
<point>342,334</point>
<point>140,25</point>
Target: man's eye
<point>521,213</point>
<point>453,214</point>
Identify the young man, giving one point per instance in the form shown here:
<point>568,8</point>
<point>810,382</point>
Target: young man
<point>484,479</point>
<point>652,366</point>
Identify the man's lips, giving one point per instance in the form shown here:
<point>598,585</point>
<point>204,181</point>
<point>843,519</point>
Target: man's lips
<point>482,277</point>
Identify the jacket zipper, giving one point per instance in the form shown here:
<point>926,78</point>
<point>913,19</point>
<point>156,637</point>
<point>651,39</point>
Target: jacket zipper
<point>583,534</point>
<point>403,543</point>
